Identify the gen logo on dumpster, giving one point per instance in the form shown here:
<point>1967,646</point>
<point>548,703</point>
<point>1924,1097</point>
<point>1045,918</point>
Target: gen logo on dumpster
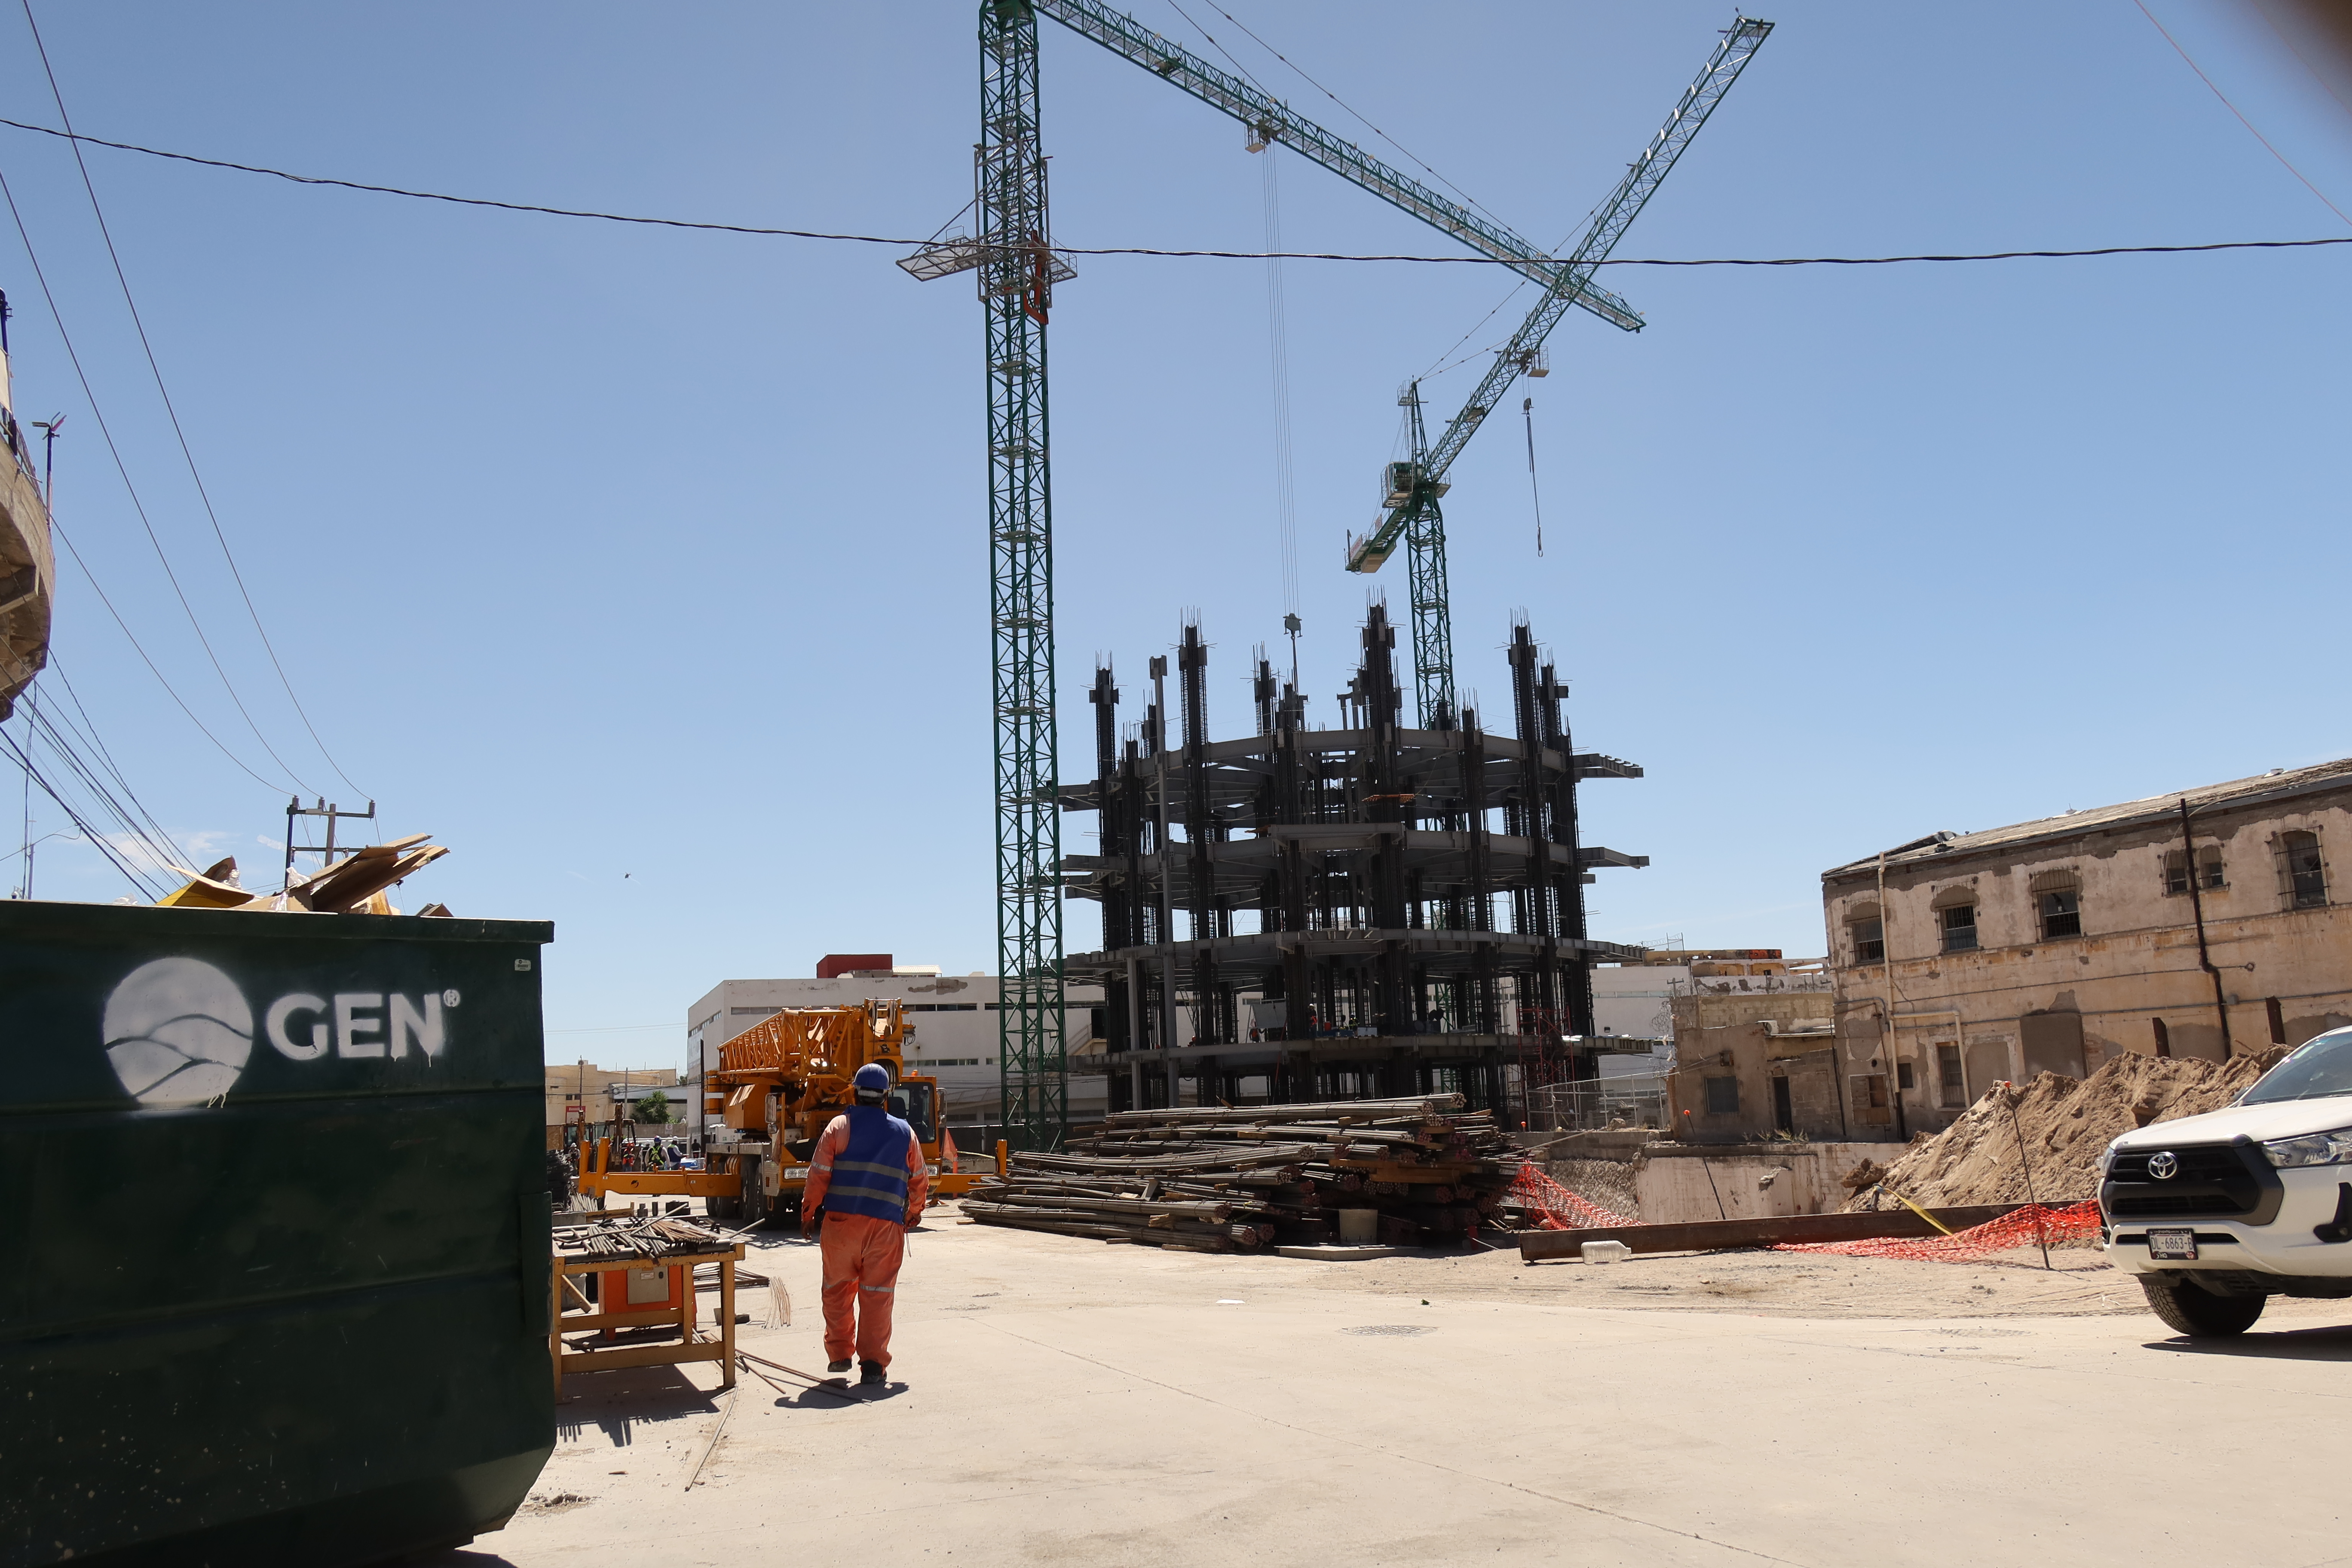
<point>180,1032</point>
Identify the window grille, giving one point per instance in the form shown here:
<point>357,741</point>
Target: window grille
<point>1723,1097</point>
<point>2061,916</point>
<point>1869,940</point>
<point>1960,923</point>
<point>2301,869</point>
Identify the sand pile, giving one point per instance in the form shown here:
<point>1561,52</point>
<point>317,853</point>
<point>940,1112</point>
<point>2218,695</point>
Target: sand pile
<point>2066,1123</point>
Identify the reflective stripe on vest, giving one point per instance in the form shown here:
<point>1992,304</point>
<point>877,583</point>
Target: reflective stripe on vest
<point>869,1176</point>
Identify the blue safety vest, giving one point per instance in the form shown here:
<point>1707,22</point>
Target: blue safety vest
<point>869,1176</point>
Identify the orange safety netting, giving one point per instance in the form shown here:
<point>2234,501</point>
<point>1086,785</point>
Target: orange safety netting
<point>1555,1208</point>
<point>2034,1225</point>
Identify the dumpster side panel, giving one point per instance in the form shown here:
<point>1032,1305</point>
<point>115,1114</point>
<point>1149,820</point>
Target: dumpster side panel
<point>285,1218</point>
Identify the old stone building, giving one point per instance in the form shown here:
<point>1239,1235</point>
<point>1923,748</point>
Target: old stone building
<point>1749,1065</point>
<point>2203,923</point>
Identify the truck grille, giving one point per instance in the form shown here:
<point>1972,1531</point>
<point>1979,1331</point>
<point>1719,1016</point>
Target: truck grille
<point>2223,1179</point>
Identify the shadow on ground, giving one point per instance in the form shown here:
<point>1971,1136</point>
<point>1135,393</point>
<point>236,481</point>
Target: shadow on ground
<point>2333,1342</point>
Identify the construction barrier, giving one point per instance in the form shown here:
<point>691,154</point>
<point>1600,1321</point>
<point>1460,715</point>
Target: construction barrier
<point>2034,1225</point>
<point>1551,1207</point>
<point>1554,1208</point>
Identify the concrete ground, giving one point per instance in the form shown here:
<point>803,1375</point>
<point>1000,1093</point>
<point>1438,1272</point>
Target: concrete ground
<point>1056,1400</point>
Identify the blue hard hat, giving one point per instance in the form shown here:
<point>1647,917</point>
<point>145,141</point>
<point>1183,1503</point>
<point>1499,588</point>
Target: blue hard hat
<point>872,1079</point>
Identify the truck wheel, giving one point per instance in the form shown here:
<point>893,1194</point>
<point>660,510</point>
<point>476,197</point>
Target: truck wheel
<point>2197,1312</point>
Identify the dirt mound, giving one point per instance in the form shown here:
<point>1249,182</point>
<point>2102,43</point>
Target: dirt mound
<point>2065,1124</point>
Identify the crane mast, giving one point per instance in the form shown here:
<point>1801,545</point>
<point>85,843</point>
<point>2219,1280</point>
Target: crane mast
<point>1412,517</point>
<point>1017,273</point>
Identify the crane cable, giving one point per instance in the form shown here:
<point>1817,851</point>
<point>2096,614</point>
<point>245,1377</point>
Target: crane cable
<point>1286,496</point>
<point>1528,412</point>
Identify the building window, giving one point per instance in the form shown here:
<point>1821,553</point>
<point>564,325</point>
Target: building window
<point>1947,1072</point>
<point>1723,1097</point>
<point>2305,873</point>
<point>2062,913</point>
<point>1903,1076</point>
<point>2278,1020</point>
<point>2209,870</point>
<point>1959,927</point>
<point>2163,1037</point>
<point>1869,940</point>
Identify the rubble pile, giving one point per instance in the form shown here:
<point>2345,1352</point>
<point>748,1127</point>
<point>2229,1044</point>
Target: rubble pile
<point>2066,1123</point>
<point>1224,1180</point>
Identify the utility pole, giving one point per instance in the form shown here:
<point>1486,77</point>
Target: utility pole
<point>333,814</point>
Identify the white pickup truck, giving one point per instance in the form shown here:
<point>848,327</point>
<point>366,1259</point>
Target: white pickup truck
<point>2218,1213</point>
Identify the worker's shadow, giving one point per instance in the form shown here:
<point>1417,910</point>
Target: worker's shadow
<point>2331,1342</point>
<point>820,1399</point>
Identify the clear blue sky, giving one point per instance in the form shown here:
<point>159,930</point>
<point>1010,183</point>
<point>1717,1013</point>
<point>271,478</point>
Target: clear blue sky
<point>647,568</point>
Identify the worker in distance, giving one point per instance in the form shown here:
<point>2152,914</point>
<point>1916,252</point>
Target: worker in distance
<point>866,1179</point>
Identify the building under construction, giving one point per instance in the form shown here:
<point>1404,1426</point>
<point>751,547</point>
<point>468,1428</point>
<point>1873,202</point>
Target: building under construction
<point>1416,895</point>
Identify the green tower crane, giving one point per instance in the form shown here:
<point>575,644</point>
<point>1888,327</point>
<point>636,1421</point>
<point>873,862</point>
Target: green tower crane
<point>1011,250</point>
<point>1412,488</point>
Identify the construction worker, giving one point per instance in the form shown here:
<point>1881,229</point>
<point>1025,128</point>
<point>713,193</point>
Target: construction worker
<point>865,1176</point>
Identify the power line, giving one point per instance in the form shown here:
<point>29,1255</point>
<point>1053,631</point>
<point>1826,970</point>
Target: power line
<point>65,540</point>
<point>74,357</point>
<point>1161,251</point>
<point>88,729</point>
<point>58,95</point>
<point>96,839</point>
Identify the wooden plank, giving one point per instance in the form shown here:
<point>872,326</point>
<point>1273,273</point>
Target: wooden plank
<point>638,1319</point>
<point>726,1316</point>
<point>1707,1235</point>
<point>640,1355</point>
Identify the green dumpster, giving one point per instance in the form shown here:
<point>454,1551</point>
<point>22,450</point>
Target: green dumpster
<point>275,1279</point>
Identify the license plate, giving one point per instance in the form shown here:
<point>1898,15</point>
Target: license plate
<point>2174,1246</point>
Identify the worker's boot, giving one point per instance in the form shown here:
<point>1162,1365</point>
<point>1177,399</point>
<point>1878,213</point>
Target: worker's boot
<point>873,1375</point>
<point>841,1365</point>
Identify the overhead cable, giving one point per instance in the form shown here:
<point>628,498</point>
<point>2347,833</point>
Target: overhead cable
<point>97,841</point>
<point>137,506</point>
<point>1163,251</point>
<point>171,412</point>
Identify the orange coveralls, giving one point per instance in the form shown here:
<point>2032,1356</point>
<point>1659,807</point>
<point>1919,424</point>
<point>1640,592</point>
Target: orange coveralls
<point>861,1253</point>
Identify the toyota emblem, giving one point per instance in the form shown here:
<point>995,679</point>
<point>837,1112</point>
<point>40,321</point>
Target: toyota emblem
<point>2163,1166</point>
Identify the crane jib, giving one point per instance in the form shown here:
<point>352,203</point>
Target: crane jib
<point>1642,177</point>
<point>1274,121</point>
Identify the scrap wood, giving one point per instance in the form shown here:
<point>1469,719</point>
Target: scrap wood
<point>352,885</point>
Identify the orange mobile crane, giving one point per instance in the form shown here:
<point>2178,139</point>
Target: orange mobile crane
<point>781,1080</point>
